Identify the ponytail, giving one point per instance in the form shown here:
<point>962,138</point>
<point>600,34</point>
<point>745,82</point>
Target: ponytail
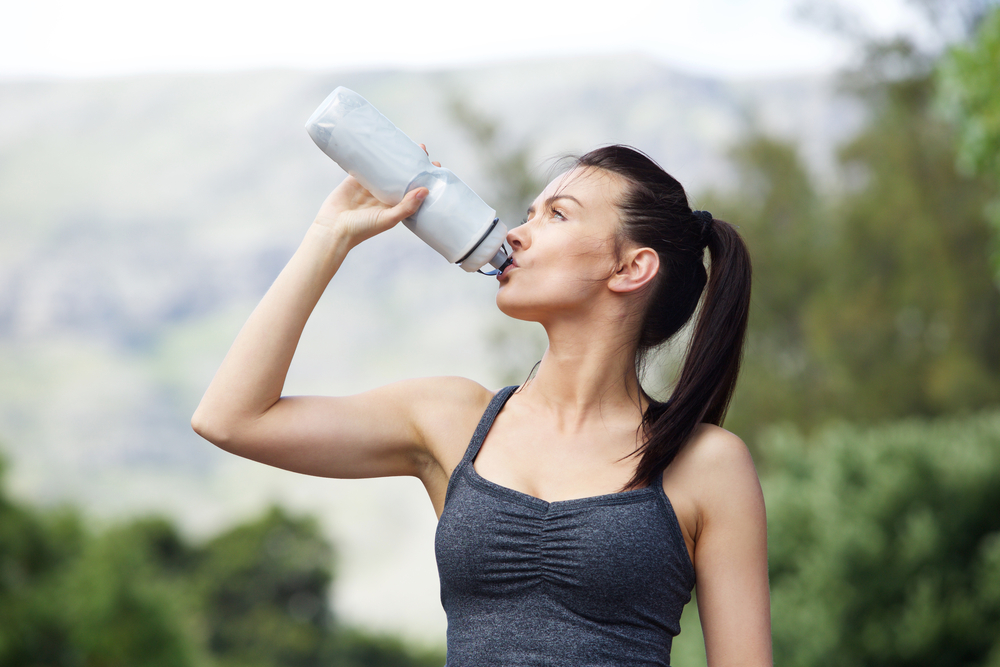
<point>708,377</point>
<point>655,213</point>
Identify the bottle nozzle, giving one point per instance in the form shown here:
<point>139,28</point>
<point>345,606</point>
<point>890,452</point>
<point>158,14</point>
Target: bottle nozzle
<point>501,260</point>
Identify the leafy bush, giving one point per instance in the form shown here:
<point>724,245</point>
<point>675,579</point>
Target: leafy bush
<point>139,594</point>
<point>885,544</point>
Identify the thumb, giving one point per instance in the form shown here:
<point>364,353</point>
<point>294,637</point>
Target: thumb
<point>410,204</point>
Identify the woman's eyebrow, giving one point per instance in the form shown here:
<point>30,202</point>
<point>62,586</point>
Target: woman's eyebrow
<point>550,200</point>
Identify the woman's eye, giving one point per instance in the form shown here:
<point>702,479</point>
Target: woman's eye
<point>556,213</point>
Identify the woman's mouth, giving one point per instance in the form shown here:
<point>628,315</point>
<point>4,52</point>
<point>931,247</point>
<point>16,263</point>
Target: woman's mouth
<point>510,265</point>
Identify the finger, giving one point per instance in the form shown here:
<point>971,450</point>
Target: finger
<point>424,147</point>
<point>436,164</point>
<point>411,202</point>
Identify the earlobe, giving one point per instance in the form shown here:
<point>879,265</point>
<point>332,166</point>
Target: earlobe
<point>637,269</point>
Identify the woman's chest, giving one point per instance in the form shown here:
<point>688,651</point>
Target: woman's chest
<point>556,466</point>
<point>588,553</point>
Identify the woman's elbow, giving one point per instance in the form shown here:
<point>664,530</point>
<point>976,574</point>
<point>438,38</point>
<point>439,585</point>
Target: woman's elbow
<point>217,431</point>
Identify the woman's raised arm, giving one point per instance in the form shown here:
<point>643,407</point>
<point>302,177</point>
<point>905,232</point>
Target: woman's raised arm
<point>379,433</point>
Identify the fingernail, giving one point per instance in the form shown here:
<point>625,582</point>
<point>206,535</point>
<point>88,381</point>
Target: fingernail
<point>420,194</point>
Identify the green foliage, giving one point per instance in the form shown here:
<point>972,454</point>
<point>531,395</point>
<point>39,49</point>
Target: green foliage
<point>31,549</point>
<point>885,544</point>
<point>911,317</point>
<point>971,77</point>
<point>117,608</point>
<point>971,89</point>
<point>353,648</point>
<point>67,598</point>
<point>875,302</point>
<point>263,586</point>
<point>786,227</point>
<point>140,595</point>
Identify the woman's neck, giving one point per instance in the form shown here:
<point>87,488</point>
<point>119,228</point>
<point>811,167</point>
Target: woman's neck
<point>586,373</point>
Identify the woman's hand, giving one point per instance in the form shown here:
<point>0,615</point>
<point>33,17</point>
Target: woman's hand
<point>355,213</point>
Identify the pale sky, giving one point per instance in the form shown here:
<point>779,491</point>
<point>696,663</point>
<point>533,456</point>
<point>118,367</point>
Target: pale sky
<point>729,38</point>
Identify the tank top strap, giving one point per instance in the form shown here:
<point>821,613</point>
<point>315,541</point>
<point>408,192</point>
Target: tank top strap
<point>658,484</point>
<point>479,435</point>
<point>492,410</point>
<point>675,525</point>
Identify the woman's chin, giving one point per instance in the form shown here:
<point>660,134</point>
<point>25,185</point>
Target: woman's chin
<point>517,308</point>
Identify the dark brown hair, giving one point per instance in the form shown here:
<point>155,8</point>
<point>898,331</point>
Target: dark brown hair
<point>655,213</point>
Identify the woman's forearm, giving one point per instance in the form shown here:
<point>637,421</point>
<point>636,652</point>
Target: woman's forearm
<point>248,384</point>
<point>253,373</point>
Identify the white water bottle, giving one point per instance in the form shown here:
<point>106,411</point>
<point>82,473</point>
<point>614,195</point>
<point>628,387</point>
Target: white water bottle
<point>453,219</point>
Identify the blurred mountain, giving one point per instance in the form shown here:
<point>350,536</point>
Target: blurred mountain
<point>142,218</point>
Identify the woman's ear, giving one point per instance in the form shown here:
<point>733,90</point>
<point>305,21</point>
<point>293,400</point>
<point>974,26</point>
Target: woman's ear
<point>637,269</point>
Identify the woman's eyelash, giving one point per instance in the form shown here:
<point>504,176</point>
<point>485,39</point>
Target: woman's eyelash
<point>554,212</point>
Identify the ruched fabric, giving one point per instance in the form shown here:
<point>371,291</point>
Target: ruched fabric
<point>590,582</point>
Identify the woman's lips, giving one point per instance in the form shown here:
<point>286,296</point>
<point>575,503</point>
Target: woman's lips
<point>512,265</point>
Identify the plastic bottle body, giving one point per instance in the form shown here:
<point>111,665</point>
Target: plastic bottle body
<point>453,219</point>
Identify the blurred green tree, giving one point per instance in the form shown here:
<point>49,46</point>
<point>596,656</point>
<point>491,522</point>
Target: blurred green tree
<point>32,548</point>
<point>263,588</point>
<point>885,544</point>
<point>787,228</point>
<point>970,74</point>
<point>350,647</point>
<point>876,301</point>
<point>67,599</point>
<point>140,595</point>
<point>909,319</point>
<point>119,608</point>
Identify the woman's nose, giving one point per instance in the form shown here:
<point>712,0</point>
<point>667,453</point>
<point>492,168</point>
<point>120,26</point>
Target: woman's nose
<point>517,237</point>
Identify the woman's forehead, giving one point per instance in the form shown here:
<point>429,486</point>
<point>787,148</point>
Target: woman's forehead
<point>588,185</point>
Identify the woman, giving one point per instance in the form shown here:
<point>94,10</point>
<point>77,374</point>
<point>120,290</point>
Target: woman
<point>574,525</point>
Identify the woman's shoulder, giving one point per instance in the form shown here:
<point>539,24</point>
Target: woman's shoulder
<point>450,394</point>
<point>445,410</point>
<point>713,448</point>
<point>713,476</point>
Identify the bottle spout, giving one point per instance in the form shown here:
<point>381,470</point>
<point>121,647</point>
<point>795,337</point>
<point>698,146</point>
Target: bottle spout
<point>501,260</point>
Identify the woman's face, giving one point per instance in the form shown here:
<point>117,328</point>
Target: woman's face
<point>565,252</point>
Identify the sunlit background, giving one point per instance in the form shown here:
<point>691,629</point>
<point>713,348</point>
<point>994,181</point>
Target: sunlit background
<point>155,176</point>
<point>729,38</point>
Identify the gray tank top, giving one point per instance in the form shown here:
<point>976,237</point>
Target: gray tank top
<point>590,582</point>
